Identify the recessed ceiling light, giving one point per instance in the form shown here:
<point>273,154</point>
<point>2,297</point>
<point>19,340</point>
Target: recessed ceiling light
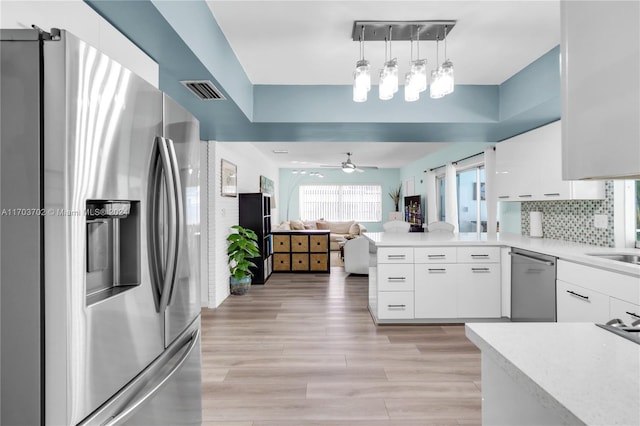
<point>280,151</point>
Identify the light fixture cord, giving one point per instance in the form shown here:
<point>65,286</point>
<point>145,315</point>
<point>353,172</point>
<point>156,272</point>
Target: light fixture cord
<point>437,50</point>
<point>418,42</point>
<point>362,44</point>
<point>390,40</point>
<point>411,40</point>
<point>386,42</point>
<point>445,43</point>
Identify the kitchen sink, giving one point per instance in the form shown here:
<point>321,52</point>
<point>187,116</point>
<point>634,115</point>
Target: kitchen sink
<point>620,257</point>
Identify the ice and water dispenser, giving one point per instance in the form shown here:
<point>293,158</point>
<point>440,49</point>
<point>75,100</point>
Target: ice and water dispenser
<point>112,248</point>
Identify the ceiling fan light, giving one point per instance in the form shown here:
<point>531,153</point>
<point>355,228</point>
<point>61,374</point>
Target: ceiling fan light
<point>348,170</point>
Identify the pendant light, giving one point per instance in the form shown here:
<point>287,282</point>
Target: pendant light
<point>388,76</point>
<point>361,75</point>
<point>419,67</point>
<point>411,84</point>
<point>446,71</point>
<point>435,89</point>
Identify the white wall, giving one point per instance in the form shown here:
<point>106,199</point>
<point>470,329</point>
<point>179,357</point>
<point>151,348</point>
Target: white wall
<point>223,211</point>
<point>83,22</point>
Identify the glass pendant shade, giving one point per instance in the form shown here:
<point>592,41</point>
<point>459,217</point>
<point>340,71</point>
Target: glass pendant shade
<point>419,69</point>
<point>411,92</point>
<point>446,77</point>
<point>391,70</point>
<point>435,89</point>
<point>361,81</point>
<point>362,75</point>
<point>385,88</point>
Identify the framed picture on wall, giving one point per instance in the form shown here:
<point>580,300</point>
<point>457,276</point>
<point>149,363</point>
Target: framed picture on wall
<point>266,187</point>
<point>228,183</point>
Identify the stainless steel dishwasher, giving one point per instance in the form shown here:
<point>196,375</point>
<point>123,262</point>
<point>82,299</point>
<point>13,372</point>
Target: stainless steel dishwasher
<point>533,286</point>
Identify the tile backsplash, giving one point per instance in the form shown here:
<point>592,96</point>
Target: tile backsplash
<point>573,220</point>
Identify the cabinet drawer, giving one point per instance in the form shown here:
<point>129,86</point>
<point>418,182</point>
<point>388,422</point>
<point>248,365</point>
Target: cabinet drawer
<point>395,277</point>
<point>435,255</point>
<point>299,243</point>
<point>478,254</point>
<point>395,255</point>
<point>627,312</point>
<point>579,304</point>
<point>395,305</point>
<point>318,243</point>
<point>281,243</point>
<point>281,262</point>
<point>318,262</point>
<point>618,285</point>
<point>299,262</point>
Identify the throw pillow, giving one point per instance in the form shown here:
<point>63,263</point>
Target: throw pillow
<point>297,225</point>
<point>354,229</point>
<point>309,224</point>
<point>322,225</point>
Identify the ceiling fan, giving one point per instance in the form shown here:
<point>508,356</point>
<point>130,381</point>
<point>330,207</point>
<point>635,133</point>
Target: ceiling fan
<point>349,167</point>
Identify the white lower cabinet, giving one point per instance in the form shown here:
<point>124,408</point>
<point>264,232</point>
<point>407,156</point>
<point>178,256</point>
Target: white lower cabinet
<point>435,291</point>
<point>579,304</point>
<point>478,290</point>
<point>625,311</point>
<point>395,305</point>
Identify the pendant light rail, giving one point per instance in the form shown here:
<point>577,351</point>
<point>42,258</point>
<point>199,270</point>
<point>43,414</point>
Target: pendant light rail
<point>402,30</point>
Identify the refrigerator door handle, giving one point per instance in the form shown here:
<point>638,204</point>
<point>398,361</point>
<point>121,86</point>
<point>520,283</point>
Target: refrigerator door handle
<point>171,259</point>
<point>138,401</point>
<point>179,211</point>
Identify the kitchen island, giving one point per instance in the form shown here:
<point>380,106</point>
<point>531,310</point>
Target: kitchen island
<point>422,278</point>
<point>557,373</point>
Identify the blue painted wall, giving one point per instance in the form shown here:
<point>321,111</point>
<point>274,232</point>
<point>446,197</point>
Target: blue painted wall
<point>289,183</point>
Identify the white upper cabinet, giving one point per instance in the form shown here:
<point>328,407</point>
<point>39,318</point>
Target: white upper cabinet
<point>529,168</point>
<point>600,89</point>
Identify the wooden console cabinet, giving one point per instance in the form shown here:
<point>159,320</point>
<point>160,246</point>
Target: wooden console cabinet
<point>301,251</point>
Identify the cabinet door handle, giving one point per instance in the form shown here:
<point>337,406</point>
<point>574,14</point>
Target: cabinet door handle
<point>480,270</point>
<point>396,256</point>
<point>396,278</point>
<point>437,270</point>
<point>397,306</point>
<point>525,196</point>
<point>503,196</point>
<point>633,315</point>
<point>573,293</point>
<point>480,256</point>
<point>552,194</point>
<point>436,256</point>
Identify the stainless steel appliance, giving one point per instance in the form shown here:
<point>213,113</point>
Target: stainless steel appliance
<point>629,332</point>
<point>533,286</point>
<point>100,198</point>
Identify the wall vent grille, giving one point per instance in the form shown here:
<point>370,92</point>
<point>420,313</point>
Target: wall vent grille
<point>204,89</point>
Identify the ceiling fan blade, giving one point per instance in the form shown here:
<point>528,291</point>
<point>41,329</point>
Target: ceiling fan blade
<point>359,169</point>
<point>327,166</point>
<point>368,167</point>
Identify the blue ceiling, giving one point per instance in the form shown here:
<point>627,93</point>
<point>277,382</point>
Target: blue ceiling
<point>187,43</point>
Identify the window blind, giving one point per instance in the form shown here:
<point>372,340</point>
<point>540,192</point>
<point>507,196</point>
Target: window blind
<point>362,203</point>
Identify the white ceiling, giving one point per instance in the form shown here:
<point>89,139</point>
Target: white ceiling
<point>305,42</point>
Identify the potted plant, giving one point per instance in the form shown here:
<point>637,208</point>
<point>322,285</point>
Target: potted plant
<point>242,247</point>
<point>395,196</point>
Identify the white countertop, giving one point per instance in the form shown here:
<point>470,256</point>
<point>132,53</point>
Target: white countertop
<point>591,373</point>
<point>574,252</point>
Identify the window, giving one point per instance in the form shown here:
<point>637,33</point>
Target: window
<point>362,203</point>
<point>472,209</point>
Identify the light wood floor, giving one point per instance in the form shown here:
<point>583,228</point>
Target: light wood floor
<point>303,350</point>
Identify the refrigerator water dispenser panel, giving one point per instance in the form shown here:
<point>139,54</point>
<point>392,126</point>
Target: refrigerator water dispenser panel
<point>112,248</point>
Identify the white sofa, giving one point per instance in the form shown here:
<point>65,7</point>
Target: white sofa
<point>359,254</point>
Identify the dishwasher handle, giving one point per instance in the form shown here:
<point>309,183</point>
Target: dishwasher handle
<point>532,258</point>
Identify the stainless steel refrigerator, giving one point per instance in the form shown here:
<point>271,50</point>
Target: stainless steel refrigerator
<point>100,315</point>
